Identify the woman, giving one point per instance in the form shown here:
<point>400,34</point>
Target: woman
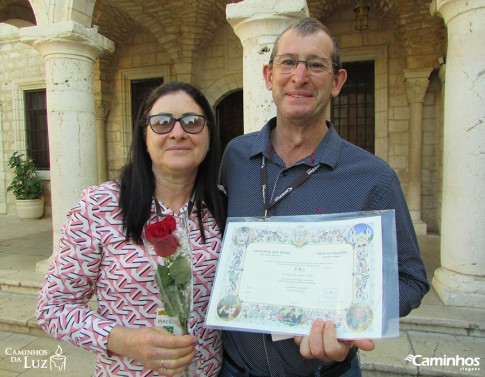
<point>174,163</point>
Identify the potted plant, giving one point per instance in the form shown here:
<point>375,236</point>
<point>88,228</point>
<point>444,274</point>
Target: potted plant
<point>26,186</point>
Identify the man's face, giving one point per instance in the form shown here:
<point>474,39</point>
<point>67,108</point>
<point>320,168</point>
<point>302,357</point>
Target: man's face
<point>302,96</point>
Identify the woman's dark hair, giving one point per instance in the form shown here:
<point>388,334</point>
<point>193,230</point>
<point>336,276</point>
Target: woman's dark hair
<point>138,182</point>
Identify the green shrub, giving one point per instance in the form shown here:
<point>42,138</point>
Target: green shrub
<point>26,184</point>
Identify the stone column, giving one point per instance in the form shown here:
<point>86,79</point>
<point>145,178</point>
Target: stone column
<point>460,281</point>
<point>439,157</point>
<point>416,82</point>
<point>69,50</point>
<point>257,24</point>
<point>101,140</point>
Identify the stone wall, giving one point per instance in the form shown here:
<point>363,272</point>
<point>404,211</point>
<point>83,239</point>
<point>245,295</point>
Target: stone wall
<point>21,68</point>
<point>142,57</point>
<point>392,96</point>
<point>219,69</point>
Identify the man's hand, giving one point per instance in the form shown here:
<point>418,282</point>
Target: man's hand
<point>322,343</point>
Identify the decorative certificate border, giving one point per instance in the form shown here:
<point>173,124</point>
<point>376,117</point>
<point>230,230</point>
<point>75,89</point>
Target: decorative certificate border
<point>254,291</point>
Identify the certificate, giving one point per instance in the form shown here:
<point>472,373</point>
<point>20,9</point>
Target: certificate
<point>278,276</point>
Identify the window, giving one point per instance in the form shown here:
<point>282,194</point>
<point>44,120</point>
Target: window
<point>36,128</point>
<point>352,112</point>
<point>139,90</point>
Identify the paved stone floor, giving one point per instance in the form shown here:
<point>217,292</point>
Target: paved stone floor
<point>23,243</point>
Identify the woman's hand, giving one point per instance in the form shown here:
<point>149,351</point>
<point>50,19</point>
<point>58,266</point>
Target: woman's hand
<point>322,343</point>
<point>154,348</point>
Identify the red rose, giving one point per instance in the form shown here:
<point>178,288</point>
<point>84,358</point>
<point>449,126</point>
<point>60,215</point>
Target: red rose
<point>161,236</point>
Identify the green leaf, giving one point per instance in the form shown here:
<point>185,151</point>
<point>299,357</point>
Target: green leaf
<point>174,303</point>
<point>164,275</point>
<point>180,270</point>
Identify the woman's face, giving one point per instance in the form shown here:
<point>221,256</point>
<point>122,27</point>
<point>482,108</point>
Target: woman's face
<point>177,153</point>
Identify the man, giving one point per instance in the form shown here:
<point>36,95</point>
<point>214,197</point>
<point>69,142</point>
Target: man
<point>270,173</point>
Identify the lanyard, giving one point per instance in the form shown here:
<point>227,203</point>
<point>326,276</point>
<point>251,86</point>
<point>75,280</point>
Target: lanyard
<point>293,185</point>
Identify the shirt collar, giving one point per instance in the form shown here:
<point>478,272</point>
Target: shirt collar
<point>326,153</point>
<point>262,144</point>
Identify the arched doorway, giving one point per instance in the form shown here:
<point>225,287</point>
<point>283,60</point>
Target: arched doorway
<point>230,117</point>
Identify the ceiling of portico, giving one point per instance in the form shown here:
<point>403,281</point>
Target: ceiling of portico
<point>16,9</point>
<point>184,27</point>
<point>319,8</point>
<point>410,20</point>
<point>181,26</point>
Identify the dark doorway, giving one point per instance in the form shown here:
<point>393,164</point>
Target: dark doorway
<point>230,117</point>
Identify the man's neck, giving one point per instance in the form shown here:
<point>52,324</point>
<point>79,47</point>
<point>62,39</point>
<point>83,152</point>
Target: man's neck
<point>295,142</point>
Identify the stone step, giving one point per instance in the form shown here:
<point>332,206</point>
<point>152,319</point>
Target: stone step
<point>27,282</point>
<point>19,292</point>
<point>18,299</point>
<point>434,317</point>
<point>17,313</point>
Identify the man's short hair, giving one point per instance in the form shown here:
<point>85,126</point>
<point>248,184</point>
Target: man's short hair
<point>307,26</point>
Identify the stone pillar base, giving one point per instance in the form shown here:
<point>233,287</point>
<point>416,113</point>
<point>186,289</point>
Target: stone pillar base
<point>456,289</point>
<point>420,227</point>
<point>43,265</point>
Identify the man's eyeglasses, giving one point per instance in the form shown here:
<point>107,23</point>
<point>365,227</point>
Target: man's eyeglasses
<point>163,123</point>
<point>286,64</point>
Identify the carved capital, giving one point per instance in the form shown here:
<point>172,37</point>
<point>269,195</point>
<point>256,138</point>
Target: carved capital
<point>66,38</point>
<point>102,109</point>
<point>416,83</point>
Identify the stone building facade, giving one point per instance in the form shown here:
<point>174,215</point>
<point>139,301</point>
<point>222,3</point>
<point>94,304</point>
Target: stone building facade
<point>87,54</point>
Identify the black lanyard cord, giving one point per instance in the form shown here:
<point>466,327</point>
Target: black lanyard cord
<point>297,182</point>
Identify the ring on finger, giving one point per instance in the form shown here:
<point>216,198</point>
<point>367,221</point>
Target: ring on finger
<point>163,365</point>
